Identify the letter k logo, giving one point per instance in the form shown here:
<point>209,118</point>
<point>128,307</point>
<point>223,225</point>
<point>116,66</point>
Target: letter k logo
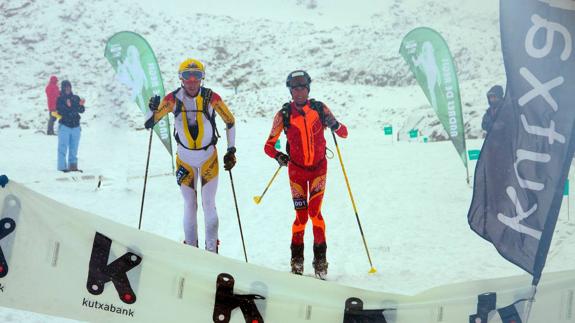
<point>7,225</point>
<point>101,273</point>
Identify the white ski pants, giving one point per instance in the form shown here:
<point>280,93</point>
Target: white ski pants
<point>205,167</point>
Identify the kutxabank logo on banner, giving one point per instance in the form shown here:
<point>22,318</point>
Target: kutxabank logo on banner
<point>526,155</point>
<point>8,219</point>
<point>100,273</point>
<point>536,94</point>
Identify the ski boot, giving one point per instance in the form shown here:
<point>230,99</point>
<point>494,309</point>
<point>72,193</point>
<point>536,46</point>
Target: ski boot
<point>319,260</point>
<point>297,259</point>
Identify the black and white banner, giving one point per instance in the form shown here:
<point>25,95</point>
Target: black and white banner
<point>63,261</point>
<point>526,156</point>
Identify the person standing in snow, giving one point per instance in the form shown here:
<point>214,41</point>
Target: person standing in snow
<point>52,93</point>
<point>304,120</point>
<point>69,106</point>
<point>194,108</point>
<point>495,101</point>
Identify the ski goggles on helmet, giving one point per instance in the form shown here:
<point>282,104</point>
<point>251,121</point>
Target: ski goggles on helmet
<point>298,82</point>
<point>192,74</point>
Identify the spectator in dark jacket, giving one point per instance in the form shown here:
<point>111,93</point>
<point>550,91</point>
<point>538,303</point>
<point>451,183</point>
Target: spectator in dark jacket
<point>52,93</point>
<point>495,100</point>
<point>69,106</point>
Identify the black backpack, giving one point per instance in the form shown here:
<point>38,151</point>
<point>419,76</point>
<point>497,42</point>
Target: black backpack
<point>206,98</point>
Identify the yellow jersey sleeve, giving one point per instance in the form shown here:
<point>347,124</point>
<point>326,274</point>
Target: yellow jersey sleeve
<point>222,109</point>
<point>166,106</point>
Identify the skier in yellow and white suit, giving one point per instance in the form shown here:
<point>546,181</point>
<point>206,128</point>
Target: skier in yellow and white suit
<point>194,108</point>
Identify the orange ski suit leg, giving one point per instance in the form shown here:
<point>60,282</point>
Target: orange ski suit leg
<point>307,188</point>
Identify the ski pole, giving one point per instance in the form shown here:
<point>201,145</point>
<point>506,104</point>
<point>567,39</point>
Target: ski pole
<point>145,178</point>
<point>258,199</point>
<point>372,270</point>
<point>238,213</point>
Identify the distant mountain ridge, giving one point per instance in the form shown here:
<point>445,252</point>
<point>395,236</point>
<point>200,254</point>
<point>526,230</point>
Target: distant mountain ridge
<point>67,38</point>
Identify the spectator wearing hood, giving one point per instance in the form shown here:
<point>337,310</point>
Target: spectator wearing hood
<point>52,93</point>
<point>495,100</point>
<point>69,106</point>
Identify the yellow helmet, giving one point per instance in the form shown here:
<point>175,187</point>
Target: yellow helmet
<point>191,65</point>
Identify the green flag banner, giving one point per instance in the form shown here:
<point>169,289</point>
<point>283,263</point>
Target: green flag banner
<point>429,59</point>
<point>136,66</point>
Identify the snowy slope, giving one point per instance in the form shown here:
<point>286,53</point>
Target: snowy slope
<point>412,197</point>
<point>412,201</point>
<point>67,38</point>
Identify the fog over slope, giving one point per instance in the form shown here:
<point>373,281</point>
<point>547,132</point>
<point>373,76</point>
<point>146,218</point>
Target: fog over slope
<point>353,58</point>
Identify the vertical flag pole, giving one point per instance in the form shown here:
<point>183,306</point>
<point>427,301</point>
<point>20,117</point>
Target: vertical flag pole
<point>527,309</point>
<point>173,167</point>
<point>467,171</point>
<point>465,153</point>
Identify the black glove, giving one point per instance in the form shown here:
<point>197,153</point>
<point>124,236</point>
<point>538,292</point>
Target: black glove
<point>230,158</point>
<point>282,159</point>
<point>334,126</point>
<point>149,123</point>
<point>154,103</point>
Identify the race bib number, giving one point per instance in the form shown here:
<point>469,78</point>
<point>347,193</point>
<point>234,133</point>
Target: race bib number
<point>300,204</point>
<point>181,173</point>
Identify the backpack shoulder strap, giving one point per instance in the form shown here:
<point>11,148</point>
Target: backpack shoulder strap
<point>206,94</point>
<point>318,107</point>
<point>206,99</point>
<point>286,113</point>
<point>179,103</point>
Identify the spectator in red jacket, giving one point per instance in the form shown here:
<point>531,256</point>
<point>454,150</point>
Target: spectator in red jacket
<point>52,93</point>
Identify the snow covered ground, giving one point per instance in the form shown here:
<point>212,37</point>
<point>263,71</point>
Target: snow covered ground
<point>412,197</point>
<point>412,200</point>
